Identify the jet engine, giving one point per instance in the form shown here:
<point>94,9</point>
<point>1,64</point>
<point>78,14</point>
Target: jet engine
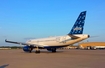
<point>26,48</point>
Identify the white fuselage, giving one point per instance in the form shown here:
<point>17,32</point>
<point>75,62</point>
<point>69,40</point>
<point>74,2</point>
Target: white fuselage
<point>58,40</point>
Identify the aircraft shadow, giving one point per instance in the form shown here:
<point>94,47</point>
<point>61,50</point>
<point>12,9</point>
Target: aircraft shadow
<point>4,66</point>
<point>50,52</point>
<point>47,52</point>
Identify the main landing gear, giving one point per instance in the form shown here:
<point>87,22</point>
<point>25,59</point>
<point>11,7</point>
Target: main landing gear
<point>30,49</point>
<point>53,50</point>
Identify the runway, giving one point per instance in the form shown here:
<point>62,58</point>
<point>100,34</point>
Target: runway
<point>16,58</point>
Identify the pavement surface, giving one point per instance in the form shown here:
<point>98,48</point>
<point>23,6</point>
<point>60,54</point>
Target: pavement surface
<point>16,58</point>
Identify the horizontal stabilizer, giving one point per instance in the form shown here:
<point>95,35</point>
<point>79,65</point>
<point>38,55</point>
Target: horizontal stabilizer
<point>73,37</point>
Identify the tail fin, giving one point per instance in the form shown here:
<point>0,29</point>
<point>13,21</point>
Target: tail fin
<point>79,24</point>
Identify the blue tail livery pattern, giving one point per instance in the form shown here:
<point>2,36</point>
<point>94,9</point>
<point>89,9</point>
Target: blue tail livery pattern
<point>79,24</point>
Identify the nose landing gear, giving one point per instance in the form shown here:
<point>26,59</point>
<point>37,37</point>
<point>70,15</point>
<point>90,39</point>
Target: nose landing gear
<point>37,50</point>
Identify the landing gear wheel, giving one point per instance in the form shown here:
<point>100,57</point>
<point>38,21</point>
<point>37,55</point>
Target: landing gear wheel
<point>54,50</point>
<point>30,49</point>
<point>37,51</point>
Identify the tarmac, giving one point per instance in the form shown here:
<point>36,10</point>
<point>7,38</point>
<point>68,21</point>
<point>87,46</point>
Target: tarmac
<point>16,58</point>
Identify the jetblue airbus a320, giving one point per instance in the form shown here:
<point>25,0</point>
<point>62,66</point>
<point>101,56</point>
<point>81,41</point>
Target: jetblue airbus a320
<point>53,43</point>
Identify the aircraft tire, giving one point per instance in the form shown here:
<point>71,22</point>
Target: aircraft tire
<point>53,50</point>
<point>37,51</point>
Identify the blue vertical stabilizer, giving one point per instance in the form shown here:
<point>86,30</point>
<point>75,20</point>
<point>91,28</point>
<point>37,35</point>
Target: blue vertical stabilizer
<point>79,24</point>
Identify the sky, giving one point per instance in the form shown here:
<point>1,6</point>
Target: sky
<point>21,20</point>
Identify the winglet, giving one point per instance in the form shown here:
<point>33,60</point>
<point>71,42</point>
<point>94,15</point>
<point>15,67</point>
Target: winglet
<point>5,40</point>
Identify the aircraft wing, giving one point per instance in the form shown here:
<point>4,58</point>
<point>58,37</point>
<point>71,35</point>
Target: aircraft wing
<point>21,43</point>
<point>16,42</point>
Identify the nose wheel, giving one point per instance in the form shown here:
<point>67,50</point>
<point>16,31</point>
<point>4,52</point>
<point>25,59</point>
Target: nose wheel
<point>37,50</point>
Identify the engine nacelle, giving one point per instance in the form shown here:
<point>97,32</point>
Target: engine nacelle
<point>26,48</point>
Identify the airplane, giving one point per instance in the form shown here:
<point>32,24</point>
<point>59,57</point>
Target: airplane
<point>53,43</point>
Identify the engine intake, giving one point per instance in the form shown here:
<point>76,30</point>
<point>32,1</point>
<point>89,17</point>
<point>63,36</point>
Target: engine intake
<point>26,48</point>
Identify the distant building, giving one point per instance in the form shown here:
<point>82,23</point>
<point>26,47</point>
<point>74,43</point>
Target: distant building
<point>69,47</point>
<point>92,45</point>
